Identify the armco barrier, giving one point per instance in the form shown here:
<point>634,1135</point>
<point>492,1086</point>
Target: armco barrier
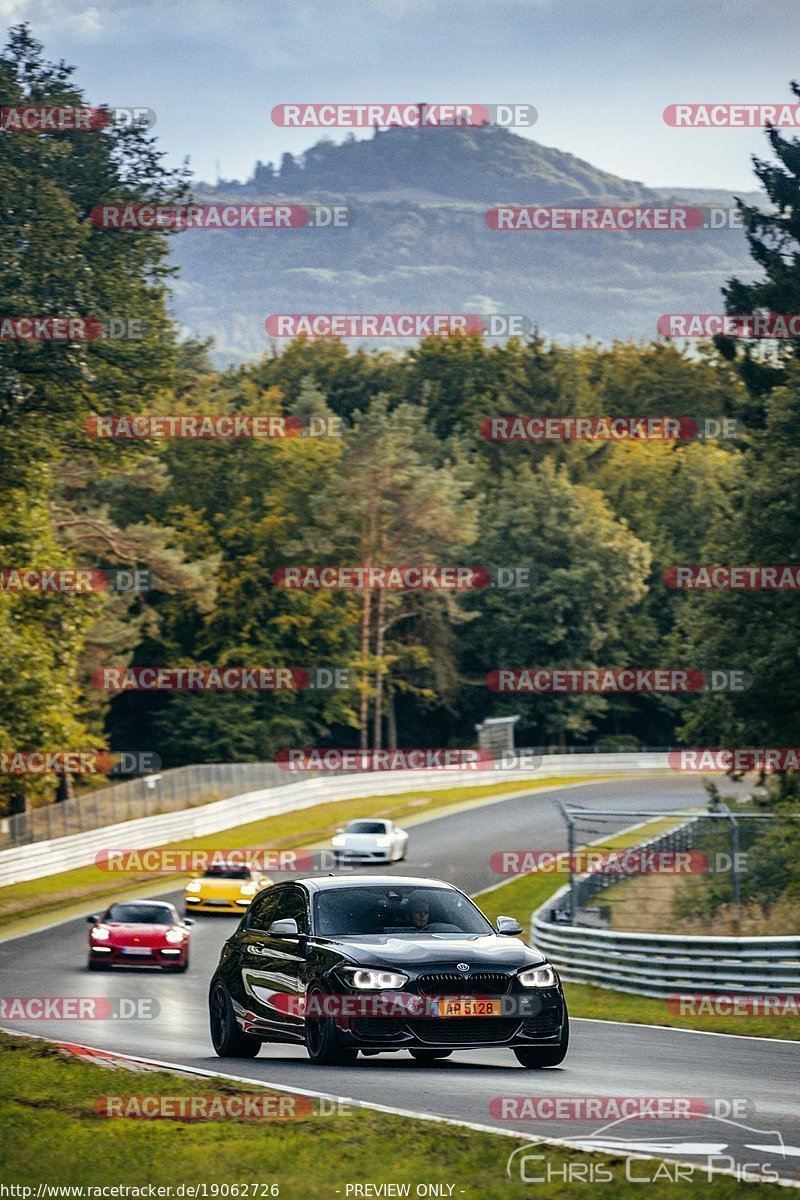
<point>655,964</point>
<point>146,796</point>
<point>662,964</point>
<point>48,857</point>
<point>178,788</point>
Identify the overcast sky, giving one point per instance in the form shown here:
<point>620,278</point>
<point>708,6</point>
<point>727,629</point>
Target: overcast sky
<point>599,72</point>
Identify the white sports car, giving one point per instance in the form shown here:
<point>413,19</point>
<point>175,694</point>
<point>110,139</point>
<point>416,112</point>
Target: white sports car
<point>370,841</point>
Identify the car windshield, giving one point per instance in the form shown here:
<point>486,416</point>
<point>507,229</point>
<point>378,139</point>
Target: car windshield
<point>366,827</point>
<point>227,873</point>
<point>141,914</point>
<point>386,909</point>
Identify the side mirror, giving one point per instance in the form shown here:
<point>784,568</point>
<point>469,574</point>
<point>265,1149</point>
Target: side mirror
<point>188,920</point>
<point>340,831</point>
<point>93,920</point>
<point>508,926</point>
<point>287,928</point>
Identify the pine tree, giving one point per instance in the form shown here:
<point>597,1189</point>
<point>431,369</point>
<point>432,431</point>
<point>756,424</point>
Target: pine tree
<point>773,236</point>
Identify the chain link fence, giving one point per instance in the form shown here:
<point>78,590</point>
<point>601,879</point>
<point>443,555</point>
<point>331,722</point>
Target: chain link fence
<point>185,787</point>
<point>171,791</point>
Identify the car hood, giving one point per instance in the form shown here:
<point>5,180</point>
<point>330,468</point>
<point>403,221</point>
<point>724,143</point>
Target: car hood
<point>145,935</point>
<point>221,887</point>
<point>362,839</point>
<point>422,952</point>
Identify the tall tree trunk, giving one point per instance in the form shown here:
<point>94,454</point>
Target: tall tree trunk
<point>377,723</point>
<point>363,707</point>
<point>391,716</point>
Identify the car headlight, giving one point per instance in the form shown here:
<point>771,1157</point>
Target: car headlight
<point>538,977</point>
<point>174,936</point>
<point>339,840</point>
<point>101,933</point>
<point>369,979</point>
<point>194,886</point>
<point>383,841</point>
<point>248,889</point>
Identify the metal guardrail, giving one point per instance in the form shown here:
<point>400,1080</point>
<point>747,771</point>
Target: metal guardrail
<point>661,964</point>
<point>170,791</point>
<point>174,790</point>
<point>38,859</point>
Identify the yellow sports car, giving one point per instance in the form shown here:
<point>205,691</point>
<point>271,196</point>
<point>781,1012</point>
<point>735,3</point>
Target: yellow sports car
<point>224,888</point>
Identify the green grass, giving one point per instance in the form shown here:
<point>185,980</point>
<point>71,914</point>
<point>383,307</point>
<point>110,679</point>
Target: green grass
<point>608,1005</point>
<point>48,1100</point>
<point>528,892</point>
<point>284,831</point>
<point>523,895</point>
<point>690,903</point>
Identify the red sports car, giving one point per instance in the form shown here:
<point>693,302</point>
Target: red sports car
<point>141,933</point>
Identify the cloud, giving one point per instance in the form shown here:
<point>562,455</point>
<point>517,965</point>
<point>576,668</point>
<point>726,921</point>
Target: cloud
<point>49,16</point>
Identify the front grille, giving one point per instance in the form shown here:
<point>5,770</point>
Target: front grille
<point>451,1031</point>
<point>482,983</point>
<point>540,1026</point>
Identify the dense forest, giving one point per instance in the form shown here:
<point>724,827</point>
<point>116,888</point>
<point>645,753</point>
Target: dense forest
<point>409,479</point>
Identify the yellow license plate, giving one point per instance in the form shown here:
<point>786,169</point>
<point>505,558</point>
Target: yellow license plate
<point>468,1008</point>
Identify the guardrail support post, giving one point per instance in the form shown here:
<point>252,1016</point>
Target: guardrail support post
<point>736,881</point>
<point>570,857</point>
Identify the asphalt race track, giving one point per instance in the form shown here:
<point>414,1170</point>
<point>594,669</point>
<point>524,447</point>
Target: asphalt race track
<point>604,1059</point>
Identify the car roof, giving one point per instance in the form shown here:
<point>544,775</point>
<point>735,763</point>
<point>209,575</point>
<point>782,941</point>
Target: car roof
<point>142,904</point>
<point>340,882</point>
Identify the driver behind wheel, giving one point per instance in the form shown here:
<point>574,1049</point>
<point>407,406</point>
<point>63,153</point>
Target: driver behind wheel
<point>419,911</point>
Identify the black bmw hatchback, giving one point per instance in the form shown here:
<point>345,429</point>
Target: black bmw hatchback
<point>370,964</point>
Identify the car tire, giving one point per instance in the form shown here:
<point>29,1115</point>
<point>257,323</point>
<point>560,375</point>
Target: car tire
<point>429,1056</point>
<point>534,1057</point>
<point>94,965</point>
<point>324,1042</point>
<point>226,1036</point>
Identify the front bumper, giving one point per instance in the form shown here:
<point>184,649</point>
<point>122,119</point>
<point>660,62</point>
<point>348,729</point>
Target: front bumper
<point>540,1028</point>
<point>156,956</point>
<point>218,904</point>
<point>363,856</point>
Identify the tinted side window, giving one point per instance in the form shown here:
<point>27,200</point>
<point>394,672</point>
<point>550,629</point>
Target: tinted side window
<point>292,903</point>
<point>260,914</point>
<point>278,904</point>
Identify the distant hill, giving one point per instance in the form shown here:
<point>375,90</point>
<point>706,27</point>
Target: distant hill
<point>488,164</point>
<point>420,243</point>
